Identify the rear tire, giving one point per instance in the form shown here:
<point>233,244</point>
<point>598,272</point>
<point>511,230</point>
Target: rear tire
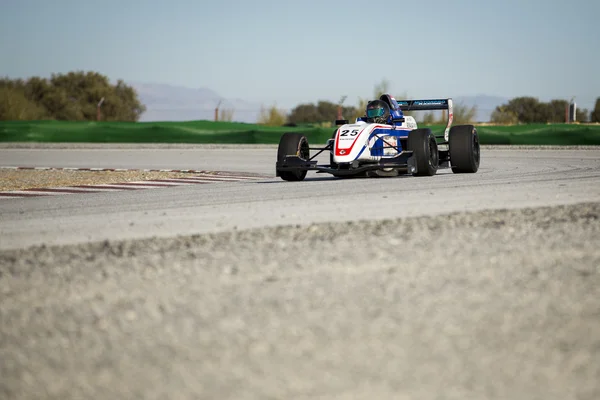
<point>425,151</point>
<point>463,144</point>
<point>293,144</point>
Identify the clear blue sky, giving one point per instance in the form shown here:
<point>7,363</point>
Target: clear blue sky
<point>301,51</point>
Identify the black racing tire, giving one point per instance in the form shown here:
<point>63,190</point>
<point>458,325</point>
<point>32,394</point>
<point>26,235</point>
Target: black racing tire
<point>425,151</point>
<point>293,144</point>
<point>463,143</point>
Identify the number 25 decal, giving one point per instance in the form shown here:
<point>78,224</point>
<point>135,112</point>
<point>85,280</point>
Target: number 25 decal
<point>348,132</point>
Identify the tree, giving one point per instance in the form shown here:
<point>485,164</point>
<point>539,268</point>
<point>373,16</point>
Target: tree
<point>429,118</point>
<point>12,83</point>
<point>323,111</point>
<point>36,88</point>
<point>595,114</point>
<point>359,110</point>
<point>530,110</point>
<point>557,111</point>
<point>527,109</point>
<point>382,87</point>
<point>582,115</point>
<point>504,116</point>
<point>304,113</point>
<point>122,103</point>
<point>74,96</point>
<point>272,116</point>
<point>14,106</point>
<point>463,114</point>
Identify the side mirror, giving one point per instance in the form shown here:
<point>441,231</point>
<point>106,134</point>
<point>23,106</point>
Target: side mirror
<point>339,122</point>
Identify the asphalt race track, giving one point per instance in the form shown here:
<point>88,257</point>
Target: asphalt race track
<point>483,286</point>
<point>507,179</point>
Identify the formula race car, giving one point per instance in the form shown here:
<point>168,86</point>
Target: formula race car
<point>382,143</point>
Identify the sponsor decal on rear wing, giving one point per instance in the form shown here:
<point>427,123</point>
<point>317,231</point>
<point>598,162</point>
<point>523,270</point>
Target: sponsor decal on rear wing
<point>425,105</point>
<point>430,104</point>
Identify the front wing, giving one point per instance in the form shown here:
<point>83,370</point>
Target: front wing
<point>403,161</point>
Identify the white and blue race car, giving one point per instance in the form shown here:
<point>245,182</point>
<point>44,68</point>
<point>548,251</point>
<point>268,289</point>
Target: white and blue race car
<point>384,142</point>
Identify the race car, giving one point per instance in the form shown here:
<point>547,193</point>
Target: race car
<point>382,143</point>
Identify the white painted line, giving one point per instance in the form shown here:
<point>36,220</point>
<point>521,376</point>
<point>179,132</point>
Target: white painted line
<point>93,189</point>
<point>156,183</point>
<point>34,192</point>
<point>239,177</point>
<point>121,186</point>
<point>175,181</point>
<point>217,178</point>
<point>136,187</point>
<point>74,188</point>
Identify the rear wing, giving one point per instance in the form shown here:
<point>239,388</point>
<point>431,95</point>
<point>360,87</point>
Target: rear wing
<point>430,105</point>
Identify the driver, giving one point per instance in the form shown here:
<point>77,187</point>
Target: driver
<point>378,111</point>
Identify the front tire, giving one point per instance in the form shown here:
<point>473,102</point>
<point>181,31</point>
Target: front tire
<point>463,143</point>
<point>425,151</point>
<point>293,144</point>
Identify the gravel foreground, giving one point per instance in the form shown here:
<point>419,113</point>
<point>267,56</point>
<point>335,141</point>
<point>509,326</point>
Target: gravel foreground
<point>488,305</point>
<point>30,179</point>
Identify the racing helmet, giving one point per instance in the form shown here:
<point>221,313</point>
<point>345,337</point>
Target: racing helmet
<point>378,111</point>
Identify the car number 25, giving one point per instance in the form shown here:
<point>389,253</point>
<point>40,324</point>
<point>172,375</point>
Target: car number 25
<point>348,132</point>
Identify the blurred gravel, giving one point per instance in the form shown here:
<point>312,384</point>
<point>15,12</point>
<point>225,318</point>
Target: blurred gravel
<point>11,179</point>
<point>489,305</point>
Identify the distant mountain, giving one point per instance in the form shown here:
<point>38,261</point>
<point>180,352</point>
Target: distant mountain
<point>485,104</point>
<point>176,103</point>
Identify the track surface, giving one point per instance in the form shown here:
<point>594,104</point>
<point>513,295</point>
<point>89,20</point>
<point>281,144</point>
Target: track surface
<point>507,179</point>
<point>491,305</point>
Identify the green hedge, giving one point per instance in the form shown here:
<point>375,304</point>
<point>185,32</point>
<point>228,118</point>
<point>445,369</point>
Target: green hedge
<point>240,133</point>
<point>541,134</point>
<point>150,132</point>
